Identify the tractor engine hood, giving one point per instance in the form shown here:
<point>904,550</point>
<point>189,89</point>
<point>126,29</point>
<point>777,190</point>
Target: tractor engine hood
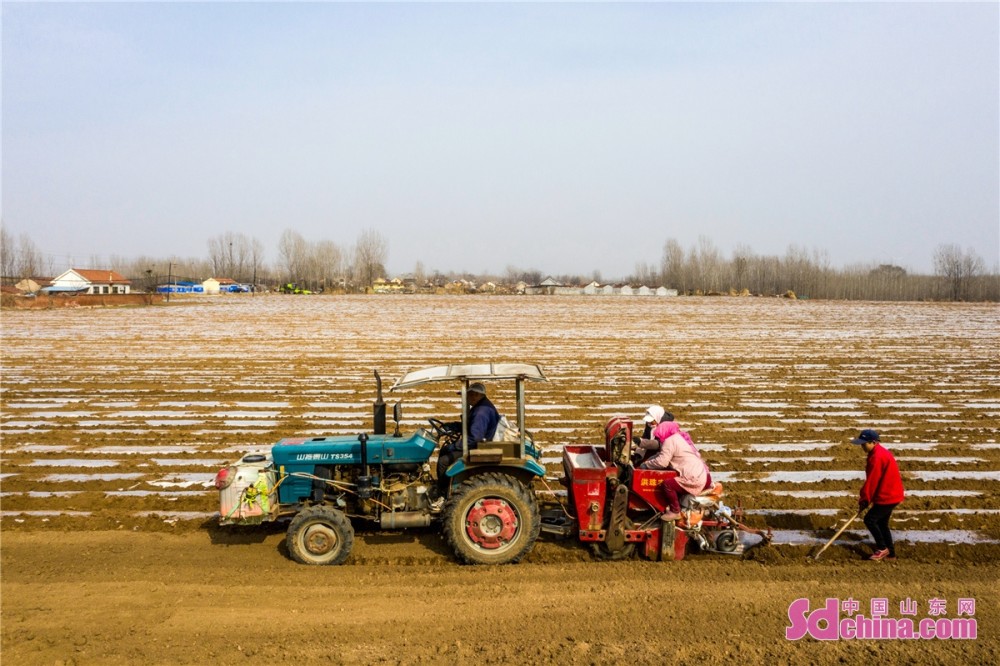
<point>304,453</point>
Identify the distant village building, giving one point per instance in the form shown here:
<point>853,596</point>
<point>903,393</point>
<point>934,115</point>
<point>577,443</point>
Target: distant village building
<point>456,287</point>
<point>90,281</point>
<point>181,287</point>
<point>215,285</point>
<point>568,290</point>
<point>383,286</point>
<point>546,287</point>
<point>410,285</point>
<point>551,287</point>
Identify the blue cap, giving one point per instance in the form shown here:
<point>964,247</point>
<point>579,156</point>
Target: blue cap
<point>867,435</point>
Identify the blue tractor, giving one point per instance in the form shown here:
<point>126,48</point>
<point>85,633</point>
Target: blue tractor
<point>488,514</point>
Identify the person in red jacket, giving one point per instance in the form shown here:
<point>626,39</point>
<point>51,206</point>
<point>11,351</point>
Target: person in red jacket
<point>883,491</point>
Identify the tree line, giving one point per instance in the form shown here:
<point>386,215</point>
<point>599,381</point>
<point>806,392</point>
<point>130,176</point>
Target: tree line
<point>324,265</point>
<point>959,275</point>
<point>314,265</point>
<point>321,265</point>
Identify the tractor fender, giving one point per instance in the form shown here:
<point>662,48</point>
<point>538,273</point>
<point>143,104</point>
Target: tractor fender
<point>525,472</point>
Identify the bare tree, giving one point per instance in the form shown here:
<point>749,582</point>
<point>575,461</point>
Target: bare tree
<point>709,263</point>
<point>513,275</point>
<point>797,269</point>
<point>370,254</point>
<point>766,275</point>
<point>294,254</point>
<point>6,254</point>
<point>256,261</point>
<point>958,269</point>
<point>740,267</point>
<point>887,281</point>
<point>22,258</point>
<point>217,255</point>
<point>644,274</point>
<point>672,266</point>
<point>821,271</point>
<point>327,264</point>
<point>234,255</point>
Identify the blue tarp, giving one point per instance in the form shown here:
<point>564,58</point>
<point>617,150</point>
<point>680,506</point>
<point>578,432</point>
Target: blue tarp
<point>63,289</point>
<point>180,288</point>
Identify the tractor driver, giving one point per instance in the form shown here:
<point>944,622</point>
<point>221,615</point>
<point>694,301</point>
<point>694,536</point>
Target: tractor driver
<point>482,421</point>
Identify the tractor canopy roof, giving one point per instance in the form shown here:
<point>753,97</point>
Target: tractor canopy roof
<point>470,372</point>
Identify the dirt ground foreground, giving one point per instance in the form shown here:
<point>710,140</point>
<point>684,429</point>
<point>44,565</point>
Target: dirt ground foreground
<point>112,598</point>
<point>110,552</point>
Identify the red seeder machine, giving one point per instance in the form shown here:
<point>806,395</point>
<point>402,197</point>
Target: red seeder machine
<point>617,507</point>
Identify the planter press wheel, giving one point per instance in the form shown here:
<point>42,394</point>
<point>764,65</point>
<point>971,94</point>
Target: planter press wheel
<point>599,549</point>
<point>727,541</point>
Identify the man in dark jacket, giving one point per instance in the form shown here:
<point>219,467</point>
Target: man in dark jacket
<point>482,421</point>
<point>882,491</point>
<point>483,416</point>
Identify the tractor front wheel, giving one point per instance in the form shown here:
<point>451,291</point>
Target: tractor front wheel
<point>491,519</point>
<point>320,535</point>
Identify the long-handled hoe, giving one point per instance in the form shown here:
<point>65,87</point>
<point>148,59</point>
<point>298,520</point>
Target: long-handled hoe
<point>839,532</point>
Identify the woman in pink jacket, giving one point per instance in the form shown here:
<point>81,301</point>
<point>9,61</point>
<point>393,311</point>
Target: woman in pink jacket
<point>674,450</point>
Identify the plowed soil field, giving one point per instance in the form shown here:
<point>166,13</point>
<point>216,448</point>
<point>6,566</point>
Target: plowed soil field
<point>115,420</point>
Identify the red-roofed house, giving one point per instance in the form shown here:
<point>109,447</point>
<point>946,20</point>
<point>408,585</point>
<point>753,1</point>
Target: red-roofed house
<point>91,281</point>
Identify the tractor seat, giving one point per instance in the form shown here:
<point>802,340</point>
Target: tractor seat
<point>705,498</point>
<point>714,493</point>
<point>491,455</point>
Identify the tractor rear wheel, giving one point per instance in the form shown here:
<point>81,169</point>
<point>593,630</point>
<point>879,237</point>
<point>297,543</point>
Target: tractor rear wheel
<point>320,535</point>
<point>491,518</point>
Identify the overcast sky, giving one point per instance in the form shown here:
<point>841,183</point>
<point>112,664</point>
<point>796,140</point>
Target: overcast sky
<point>563,137</point>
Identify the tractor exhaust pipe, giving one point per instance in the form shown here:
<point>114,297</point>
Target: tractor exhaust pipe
<point>378,427</point>
<point>364,482</point>
<point>363,438</point>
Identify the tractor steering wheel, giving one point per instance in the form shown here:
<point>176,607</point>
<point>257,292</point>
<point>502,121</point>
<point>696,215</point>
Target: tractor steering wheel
<point>445,433</point>
<point>437,427</point>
